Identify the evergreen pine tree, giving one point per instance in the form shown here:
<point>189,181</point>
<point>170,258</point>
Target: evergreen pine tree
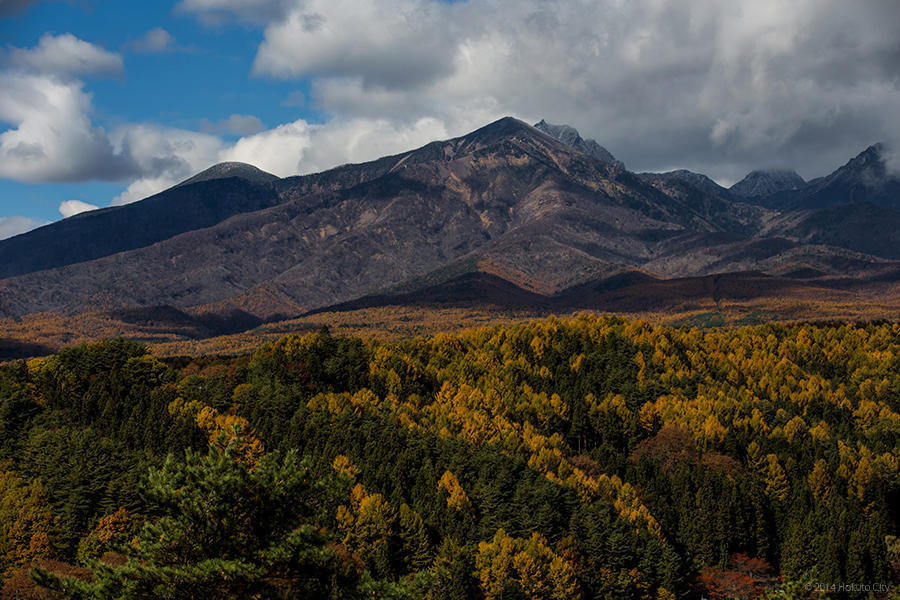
<point>225,531</point>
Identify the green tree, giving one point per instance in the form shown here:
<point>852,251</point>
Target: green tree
<point>224,531</point>
<point>416,551</point>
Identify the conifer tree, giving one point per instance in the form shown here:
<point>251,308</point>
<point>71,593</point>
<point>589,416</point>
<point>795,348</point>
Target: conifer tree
<point>416,551</point>
<point>224,531</point>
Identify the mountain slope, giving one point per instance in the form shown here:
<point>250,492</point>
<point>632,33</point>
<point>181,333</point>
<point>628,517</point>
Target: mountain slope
<point>865,178</point>
<point>202,201</point>
<point>229,170</point>
<point>570,136</point>
<point>505,189</point>
<point>506,201</point>
<point>758,184</point>
<point>864,227</point>
<point>715,208</point>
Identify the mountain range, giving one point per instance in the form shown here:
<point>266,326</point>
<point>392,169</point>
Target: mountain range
<point>509,214</point>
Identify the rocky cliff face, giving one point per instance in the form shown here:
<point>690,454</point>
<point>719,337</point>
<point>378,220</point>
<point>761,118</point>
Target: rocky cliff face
<point>570,137</point>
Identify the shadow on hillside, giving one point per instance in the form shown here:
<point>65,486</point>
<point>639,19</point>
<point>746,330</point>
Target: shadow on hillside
<point>12,349</point>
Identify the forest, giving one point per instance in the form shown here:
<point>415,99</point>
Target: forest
<point>584,458</point>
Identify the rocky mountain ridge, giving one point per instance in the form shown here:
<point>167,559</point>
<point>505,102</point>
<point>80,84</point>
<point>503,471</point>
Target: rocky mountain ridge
<point>570,137</point>
<point>531,206</point>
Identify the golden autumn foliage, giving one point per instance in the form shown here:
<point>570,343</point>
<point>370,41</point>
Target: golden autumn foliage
<point>529,565</point>
<point>344,466</point>
<point>675,436</point>
<point>367,526</point>
<point>497,386</point>
<point>222,430</point>
<point>25,521</point>
<point>115,529</point>
<point>456,495</point>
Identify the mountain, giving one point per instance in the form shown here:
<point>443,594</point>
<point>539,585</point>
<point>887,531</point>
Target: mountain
<point>717,208</point>
<point>506,191</point>
<point>863,227</point>
<point>758,184</point>
<point>206,199</point>
<point>570,137</point>
<point>865,178</point>
<point>508,212</point>
<point>698,181</point>
<point>237,170</point>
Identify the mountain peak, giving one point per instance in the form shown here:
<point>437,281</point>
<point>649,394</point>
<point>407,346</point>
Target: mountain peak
<point>225,170</point>
<point>503,127</point>
<point>564,133</point>
<point>569,136</point>
<point>868,169</point>
<point>873,156</point>
<point>765,182</point>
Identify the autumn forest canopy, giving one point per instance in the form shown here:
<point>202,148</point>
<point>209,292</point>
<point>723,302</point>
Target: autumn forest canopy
<point>585,458</point>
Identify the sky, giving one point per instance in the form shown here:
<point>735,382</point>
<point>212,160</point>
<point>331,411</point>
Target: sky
<point>104,102</point>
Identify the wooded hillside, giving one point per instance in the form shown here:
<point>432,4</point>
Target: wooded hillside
<point>586,458</point>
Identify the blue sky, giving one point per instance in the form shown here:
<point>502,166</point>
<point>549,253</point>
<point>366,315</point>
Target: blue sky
<point>105,102</point>
<point>204,76</point>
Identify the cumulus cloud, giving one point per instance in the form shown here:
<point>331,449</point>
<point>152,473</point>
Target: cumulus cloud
<point>65,55</point>
<point>144,187</point>
<point>162,157</point>
<point>298,147</point>
<point>52,138</point>
<point>234,124</point>
<point>717,87</point>
<point>155,40</point>
<point>360,38</point>
<point>277,151</point>
<point>10,226</point>
<point>69,208</point>
<point>709,85</point>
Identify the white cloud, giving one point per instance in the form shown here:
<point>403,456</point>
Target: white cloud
<point>162,157</point>
<point>277,151</point>
<point>360,37</point>
<point>298,147</point>
<point>289,149</point>
<point>144,187</point>
<point>707,85</point>
<point>234,124</point>
<point>359,140</point>
<point>715,86</point>
<point>52,138</point>
<point>65,55</point>
<point>69,208</point>
<point>10,226</point>
<point>155,40</point>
